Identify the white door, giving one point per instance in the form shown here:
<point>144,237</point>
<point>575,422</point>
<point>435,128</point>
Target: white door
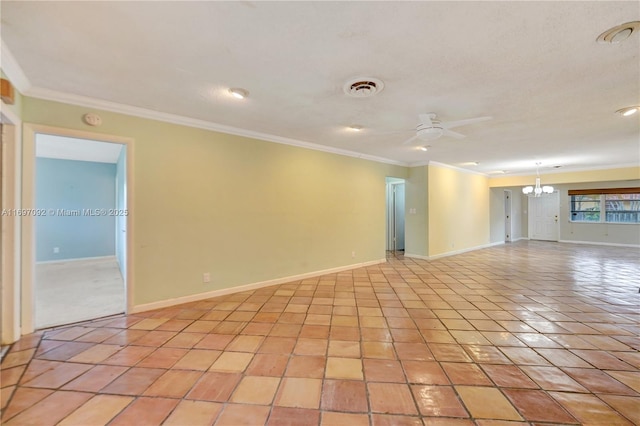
<point>543,217</point>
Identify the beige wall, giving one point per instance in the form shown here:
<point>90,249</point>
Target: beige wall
<point>458,210</point>
<point>604,175</point>
<point>416,224</point>
<point>242,209</point>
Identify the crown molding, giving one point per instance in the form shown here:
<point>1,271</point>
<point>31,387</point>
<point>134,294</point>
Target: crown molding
<point>52,95</point>
<point>571,170</point>
<point>13,70</point>
<point>459,169</point>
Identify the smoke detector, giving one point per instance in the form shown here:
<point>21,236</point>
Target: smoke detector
<point>619,33</point>
<point>363,87</point>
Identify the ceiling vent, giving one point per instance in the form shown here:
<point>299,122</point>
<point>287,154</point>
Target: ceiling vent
<point>363,87</point>
<point>619,33</point>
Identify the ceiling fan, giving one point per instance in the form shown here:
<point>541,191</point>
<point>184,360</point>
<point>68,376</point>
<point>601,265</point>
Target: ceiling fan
<point>431,128</point>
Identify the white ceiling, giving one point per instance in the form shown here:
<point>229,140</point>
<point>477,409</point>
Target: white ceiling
<point>64,148</point>
<point>535,67</point>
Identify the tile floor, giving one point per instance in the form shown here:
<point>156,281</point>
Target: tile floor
<point>524,333</point>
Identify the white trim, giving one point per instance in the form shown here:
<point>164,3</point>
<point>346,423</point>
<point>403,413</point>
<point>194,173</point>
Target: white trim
<point>13,70</point>
<point>75,259</point>
<point>253,286</point>
<point>597,243</point>
<point>459,169</point>
<point>554,171</point>
<point>453,253</point>
<point>416,256</point>
<point>52,95</point>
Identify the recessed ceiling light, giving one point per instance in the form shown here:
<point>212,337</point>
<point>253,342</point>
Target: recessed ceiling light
<point>355,127</point>
<point>619,33</point>
<point>423,148</point>
<point>238,93</point>
<point>628,110</point>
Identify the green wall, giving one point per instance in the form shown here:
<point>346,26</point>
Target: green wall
<point>241,209</point>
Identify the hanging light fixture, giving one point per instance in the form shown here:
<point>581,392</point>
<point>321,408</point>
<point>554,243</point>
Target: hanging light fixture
<point>537,190</point>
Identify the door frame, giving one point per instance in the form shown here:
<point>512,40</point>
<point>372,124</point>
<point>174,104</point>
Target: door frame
<point>10,237</point>
<point>28,222</point>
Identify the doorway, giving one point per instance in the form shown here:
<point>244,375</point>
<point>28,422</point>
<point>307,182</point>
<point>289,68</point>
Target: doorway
<point>543,217</point>
<point>78,275</point>
<point>395,215</point>
<point>81,242</point>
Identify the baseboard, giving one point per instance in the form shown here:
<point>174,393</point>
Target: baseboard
<point>452,253</point>
<point>76,259</point>
<point>239,289</point>
<point>596,243</point>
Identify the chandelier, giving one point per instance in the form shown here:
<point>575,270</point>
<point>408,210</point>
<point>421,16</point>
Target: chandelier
<point>537,190</point>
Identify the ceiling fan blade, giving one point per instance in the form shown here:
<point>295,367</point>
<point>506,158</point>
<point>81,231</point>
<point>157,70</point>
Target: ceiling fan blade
<point>426,119</point>
<point>447,132</point>
<point>458,123</point>
<point>411,139</point>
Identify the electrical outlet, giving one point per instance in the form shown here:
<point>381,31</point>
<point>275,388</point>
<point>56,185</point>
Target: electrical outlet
<point>56,250</point>
<point>206,277</point>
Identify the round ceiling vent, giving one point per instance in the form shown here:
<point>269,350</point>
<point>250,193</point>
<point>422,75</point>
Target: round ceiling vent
<point>363,87</point>
<point>619,33</point>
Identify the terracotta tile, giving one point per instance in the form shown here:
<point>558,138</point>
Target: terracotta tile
<point>95,379</point>
<point>134,382</point>
<point>58,376</point>
<point>197,359</point>
<point>98,410</point>
<point>598,381</point>
<point>214,341</point>
<point>588,409</point>
<point>257,329</point>
<point>125,337</point>
<point>245,344</point>
<point>395,420</point>
<point>155,338</point>
<point>285,330</point>
<point>173,383</point>
<point>603,360</point>
<point>163,358</point>
<point>256,390</point>
<point>284,416</point>
<point>175,325</point>
<point>344,333</point>
<point>306,346</point>
<point>277,345</point>
<point>37,367</point>
<point>344,348</point>
<point>413,351</point>
<point>67,333</point>
<point>437,336</point>
<point>330,418</point>
<point>344,395</point>
<point>185,340</point>
<point>152,410</point>
<point>314,331</point>
<point>438,421</point>
<point>391,398</point>
<point>509,376</point>
<point>241,414</point>
<point>425,372</point>
<point>380,350</point>
<point>451,353</point>
<point>5,395</point>
<point>438,401</point>
<point>465,374</point>
<point>194,413</point>
<point>267,365</point>
<point>487,403</point>
<point>524,356</point>
<point>98,335</point>
<point>537,340</point>
<point>63,352</point>
<point>344,368</point>
<point>50,410</point>
<point>306,366</point>
<point>629,378</point>
<point>376,335</point>
<point>22,399</point>
<point>28,341</point>
<point>11,376</point>
<point>382,370</point>
<point>466,337</point>
<point>625,405</point>
<point>486,354</point>
<point>129,356</point>
<point>552,378</point>
<point>373,322</point>
<point>536,405</point>
<point>214,387</point>
<point>149,324</point>
<point>299,393</point>
<point>562,358</point>
<point>232,362</point>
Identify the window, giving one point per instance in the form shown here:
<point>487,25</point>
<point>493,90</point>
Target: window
<point>617,205</point>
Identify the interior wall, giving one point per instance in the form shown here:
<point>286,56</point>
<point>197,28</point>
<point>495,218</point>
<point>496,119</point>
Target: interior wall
<point>241,209</point>
<point>416,235</point>
<point>459,210</point>
<point>66,189</point>
<point>497,212</point>
<point>608,233</point>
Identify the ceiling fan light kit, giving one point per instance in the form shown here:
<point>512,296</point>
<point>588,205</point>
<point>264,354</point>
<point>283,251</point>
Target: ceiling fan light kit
<point>626,112</point>
<point>619,33</point>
